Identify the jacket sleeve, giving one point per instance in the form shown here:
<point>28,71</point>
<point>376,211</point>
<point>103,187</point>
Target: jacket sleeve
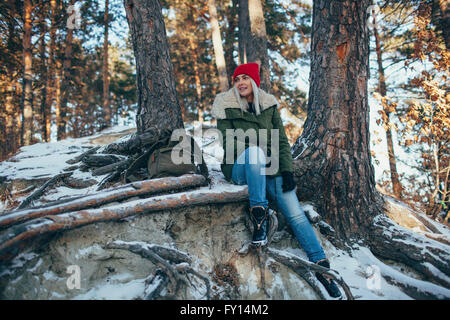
<point>286,163</point>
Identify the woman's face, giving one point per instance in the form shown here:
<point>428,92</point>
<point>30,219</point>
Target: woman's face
<point>244,85</point>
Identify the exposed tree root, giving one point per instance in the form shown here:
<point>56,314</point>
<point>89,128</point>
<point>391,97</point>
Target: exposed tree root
<point>12,237</point>
<point>259,251</point>
<point>428,257</point>
<point>417,289</point>
<point>84,154</point>
<point>39,192</point>
<point>262,267</point>
<point>139,188</point>
<point>172,264</point>
<point>154,284</point>
<point>438,237</point>
<point>306,270</point>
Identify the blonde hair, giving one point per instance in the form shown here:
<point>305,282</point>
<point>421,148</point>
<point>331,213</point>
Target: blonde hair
<point>243,101</point>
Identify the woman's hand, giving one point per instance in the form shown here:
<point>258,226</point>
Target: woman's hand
<point>288,181</point>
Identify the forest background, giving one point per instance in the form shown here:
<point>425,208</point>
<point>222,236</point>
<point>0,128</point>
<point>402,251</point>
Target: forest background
<point>67,69</point>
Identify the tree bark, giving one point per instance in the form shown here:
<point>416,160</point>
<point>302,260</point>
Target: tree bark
<point>27,105</point>
<point>382,90</point>
<point>51,68</point>
<point>66,83</point>
<point>230,40</point>
<point>332,154</point>
<point>57,95</point>
<point>253,38</point>
<point>106,102</point>
<point>44,76</point>
<point>244,30</point>
<point>218,47</point>
<point>9,141</point>
<point>158,105</point>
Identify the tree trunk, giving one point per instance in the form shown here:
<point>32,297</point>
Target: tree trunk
<point>218,47</point>
<point>382,90</point>
<point>230,40</point>
<point>57,95</point>
<point>331,158</point>
<point>253,38</point>
<point>333,155</point>
<point>444,21</point>
<point>198,84</point>
<point>66,82</point>
<point>106,102</point>
<point>50,86</point>
<point>244,30</point>
<point>27,106</point>
<point>10,140</point>
<point>158,105</point>
<point>44,76</point>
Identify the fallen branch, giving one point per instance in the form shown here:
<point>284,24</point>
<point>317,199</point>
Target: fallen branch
<point>39,192</point>
<point>15,235</point>
<point>138,188</point>
<point>306,270</point>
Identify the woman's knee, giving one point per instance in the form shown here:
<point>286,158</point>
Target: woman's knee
<point>256,155</point>
<point>293,212</point>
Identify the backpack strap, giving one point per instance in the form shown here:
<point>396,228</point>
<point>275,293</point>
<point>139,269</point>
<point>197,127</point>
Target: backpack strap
<point>139,163</point>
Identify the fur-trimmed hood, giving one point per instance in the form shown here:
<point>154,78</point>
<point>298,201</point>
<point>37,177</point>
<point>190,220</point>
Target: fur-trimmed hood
<point>226,100</point>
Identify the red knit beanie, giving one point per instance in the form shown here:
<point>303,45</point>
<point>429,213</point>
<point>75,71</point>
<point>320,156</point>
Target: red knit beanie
<point>250,69</point>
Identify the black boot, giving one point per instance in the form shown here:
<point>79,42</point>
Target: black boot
<point>329,284</point>
<point>260,219</point>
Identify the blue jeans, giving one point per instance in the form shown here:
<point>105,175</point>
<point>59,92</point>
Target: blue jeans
<point>249,169</point>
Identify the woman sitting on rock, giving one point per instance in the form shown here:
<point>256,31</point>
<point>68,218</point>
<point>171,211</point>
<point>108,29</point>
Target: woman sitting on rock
<point>249,108</point>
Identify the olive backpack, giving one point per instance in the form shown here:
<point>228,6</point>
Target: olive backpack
<point>166,158</point>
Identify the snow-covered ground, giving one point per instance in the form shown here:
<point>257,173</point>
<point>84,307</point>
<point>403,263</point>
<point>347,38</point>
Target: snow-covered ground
<point>364,273</point>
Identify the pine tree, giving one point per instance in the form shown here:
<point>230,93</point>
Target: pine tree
<point>158,106</point>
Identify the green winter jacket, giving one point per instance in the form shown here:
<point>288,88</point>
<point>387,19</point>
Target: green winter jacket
<point>229,115</point>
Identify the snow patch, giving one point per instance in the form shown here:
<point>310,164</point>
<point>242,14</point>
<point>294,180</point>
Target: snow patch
<point>115,290</point>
